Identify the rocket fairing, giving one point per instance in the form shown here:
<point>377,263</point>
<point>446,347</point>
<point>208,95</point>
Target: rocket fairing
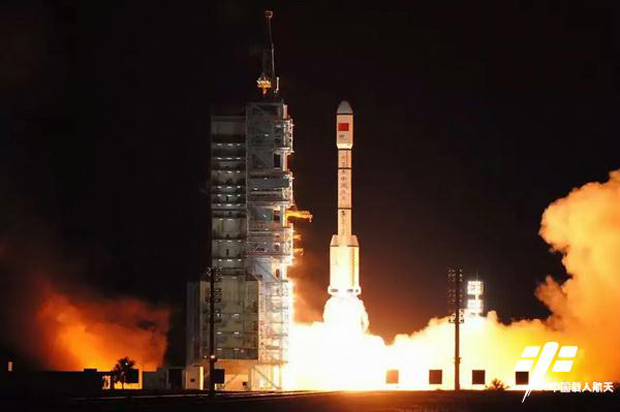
<point>344,248</point>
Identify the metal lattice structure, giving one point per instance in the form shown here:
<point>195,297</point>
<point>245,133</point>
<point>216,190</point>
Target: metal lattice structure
<point>251,192</point>
<point>270,236</point>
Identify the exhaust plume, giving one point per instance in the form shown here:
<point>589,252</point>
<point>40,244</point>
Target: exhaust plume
<point>53,321</point>
<point>94,333</point>
<point>585,228</point>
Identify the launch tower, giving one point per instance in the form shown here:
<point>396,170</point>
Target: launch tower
<point>251,190</point>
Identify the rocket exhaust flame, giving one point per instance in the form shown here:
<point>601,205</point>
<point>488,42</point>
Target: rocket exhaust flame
<point>339,353</point>
<point>347,314</point>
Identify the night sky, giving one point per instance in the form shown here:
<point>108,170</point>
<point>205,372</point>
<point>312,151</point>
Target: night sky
<point>470,119</point>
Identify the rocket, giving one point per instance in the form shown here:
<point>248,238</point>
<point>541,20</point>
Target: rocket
<point>344,248</point>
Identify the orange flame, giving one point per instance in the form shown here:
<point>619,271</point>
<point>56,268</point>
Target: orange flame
<point>96,333</point>
<point>298,214</point>
<point>584,227</point>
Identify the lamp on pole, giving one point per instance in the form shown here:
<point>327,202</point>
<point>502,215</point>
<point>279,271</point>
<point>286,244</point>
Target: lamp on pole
<point>455,300</point>
<point>214,274</point>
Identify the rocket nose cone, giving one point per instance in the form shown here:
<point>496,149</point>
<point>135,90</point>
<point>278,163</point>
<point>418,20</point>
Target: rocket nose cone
<point>344,108</point>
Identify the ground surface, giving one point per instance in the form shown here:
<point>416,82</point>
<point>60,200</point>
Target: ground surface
<point>401,401</point>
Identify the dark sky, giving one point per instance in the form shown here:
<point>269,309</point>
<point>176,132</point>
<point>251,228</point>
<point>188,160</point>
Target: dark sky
<point>471,118</point>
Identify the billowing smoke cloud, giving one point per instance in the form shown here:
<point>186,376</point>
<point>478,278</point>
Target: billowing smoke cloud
<point>83,332</point>
<point>52,320</point>
<point>585,228</point>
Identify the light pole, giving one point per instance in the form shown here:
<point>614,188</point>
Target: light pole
<point>455,298</point>
<point>214,276</point>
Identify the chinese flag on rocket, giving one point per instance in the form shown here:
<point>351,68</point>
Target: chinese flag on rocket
<point>343,127</point>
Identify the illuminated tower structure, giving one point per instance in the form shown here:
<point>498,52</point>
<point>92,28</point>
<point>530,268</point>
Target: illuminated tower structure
<point>251,189</point>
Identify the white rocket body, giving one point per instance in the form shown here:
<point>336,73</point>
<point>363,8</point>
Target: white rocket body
<point>344,248</point>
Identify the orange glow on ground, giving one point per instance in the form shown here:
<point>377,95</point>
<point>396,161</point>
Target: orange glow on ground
<point>95,334</point>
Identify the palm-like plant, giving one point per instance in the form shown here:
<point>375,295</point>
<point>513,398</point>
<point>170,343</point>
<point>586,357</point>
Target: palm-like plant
<point>497,385</point>
<point>121,371</point>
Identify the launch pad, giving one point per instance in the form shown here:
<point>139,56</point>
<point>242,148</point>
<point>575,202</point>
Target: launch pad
<point>334,402</point>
